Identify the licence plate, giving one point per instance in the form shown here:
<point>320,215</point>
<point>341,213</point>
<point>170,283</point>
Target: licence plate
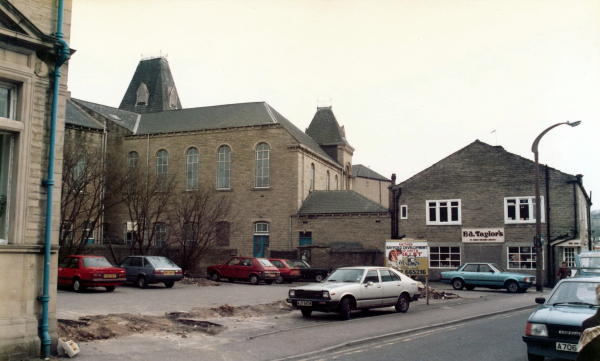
<point>571,347</point>
<point>111,275</point>
<point>304,303</point>
<point>169,273</point>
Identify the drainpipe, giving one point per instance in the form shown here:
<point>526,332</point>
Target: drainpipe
<point>63,56</point>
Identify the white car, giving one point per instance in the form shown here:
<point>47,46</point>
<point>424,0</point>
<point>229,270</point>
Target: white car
<point>356,288</point>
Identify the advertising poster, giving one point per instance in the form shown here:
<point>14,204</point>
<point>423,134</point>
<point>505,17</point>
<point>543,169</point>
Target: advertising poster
<point>409,257</point>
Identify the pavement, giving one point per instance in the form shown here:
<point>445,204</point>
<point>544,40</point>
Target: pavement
<point>158,300</point>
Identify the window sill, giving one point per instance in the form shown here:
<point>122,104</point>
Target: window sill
<point>262,189</point>
<point>444,224</point>
<point>224,189</point>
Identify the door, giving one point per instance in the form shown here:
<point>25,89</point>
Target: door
<point>134,269</point>
<point>470,274</point>
<point>244,268</point>
<point>67,271</point>
<point>230,269</point>
<point>261,242</point>
<point>392,286</point>
<point>488,277</point>
<point>371,294</point>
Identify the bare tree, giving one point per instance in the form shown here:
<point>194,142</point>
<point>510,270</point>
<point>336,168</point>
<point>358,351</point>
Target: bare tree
<point>200,220</point>
<point>83,187</point>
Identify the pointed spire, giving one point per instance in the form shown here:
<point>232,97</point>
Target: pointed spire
<point>324,128</point>
<point>152,88</point>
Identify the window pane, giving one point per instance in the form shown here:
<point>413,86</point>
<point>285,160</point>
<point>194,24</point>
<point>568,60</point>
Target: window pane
<point>432,214</point>
<point>262,166</point>
<point>224,167</point>
<point>133,159</point>
<point>4,102</point>
<point>191,168</point>
<point>454,214</point>
<point>6,145</point>
<point>443,212</point>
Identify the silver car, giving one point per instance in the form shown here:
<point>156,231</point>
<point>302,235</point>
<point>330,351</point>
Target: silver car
<point>356,288</point>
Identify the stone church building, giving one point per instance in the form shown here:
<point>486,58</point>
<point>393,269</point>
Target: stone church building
<point>249,152</point>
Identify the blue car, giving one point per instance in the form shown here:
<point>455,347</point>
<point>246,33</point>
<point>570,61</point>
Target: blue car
<point>554,329</point>
<point>488,275</point>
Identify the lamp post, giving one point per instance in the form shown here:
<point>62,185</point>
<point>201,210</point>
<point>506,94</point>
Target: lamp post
<point>539,284</point>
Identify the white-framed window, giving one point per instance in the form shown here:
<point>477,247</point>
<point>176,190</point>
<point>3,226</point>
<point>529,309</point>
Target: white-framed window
<point>192,157</point>
<point>404,211</point>
<point>327,181</point>
<point>522,209</point>
<point>162,166</point>
<point>160,234</point>
<point>130,229</point>
<point>224,167</point>
<point>312,177</point>
<point>133,159</point>
<point>569,256</point>
<point>142,95</point>
<point>261,166</point>
<point>261,228</point>
<point>8,100</point>
<point>521,257</point>
<point>444,257</point>
<point>443,212</point>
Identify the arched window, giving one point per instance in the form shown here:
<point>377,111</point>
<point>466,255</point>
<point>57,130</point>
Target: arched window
<point>224,167</point>
<point>327,181</point>
<point>335,183</point>
<point>132,159</point>
<point>261,166</point>
<point>172,97</point>
<point>191,169</point>
<point>162,166</point>
<point>312,177</point>
<point>142,95</point>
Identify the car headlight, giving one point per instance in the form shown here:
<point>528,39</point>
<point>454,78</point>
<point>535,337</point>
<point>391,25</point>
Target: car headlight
<point>325,294</point>
<point>292,293</point>
<point>536,329</point>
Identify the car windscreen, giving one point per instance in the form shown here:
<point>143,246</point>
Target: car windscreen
<point>96,262</point>
<point>265,262</point>
<point>345,275</point>
<point>574,293</point>
<point>590,262</point>
<point>161,261</point>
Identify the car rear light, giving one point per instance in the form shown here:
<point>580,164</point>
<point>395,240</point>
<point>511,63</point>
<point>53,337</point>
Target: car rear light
<point>122,275</point>
<point>178,272</point>
<point>96,275</point>
<point>159,272</point>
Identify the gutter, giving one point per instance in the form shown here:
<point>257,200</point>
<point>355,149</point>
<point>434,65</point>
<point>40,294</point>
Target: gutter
<point>63,56</point>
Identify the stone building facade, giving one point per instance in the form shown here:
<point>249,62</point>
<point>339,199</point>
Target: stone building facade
<point>248,152</point>
<point>27,57</point>
<point>371,184</point>
<point>485,189</point>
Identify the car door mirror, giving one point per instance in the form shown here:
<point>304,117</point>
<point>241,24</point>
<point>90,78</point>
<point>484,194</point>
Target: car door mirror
<point>370,283</point>
<point>540,300</point>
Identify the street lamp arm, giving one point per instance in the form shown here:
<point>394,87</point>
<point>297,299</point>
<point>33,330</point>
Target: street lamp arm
<point>534,147</point>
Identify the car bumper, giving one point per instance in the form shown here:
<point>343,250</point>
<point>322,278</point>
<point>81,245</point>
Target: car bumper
<point>317,305</point>
<point>166,278</point>
<point>103,283</point>
<point>545,346</point>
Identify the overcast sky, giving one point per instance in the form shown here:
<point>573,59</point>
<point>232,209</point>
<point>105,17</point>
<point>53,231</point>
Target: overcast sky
<point>411,81</point>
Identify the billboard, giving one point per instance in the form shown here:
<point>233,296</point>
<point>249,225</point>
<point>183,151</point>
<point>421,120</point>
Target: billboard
<point>409,257</point>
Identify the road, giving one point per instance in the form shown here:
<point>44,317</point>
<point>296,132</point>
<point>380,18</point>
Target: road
<point>445,327</point>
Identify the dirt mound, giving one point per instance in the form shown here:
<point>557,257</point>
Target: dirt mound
<point>200,282</point>
<point>434,294</point>
<point>178,323</point>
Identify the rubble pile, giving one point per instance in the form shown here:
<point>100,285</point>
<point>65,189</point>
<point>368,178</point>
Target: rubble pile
<point>200,282</point>
<point>434,294</point>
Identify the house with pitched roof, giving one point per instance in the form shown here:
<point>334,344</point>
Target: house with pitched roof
<point>371,184</point>
<point>478,205</point>
<point>248,152</point>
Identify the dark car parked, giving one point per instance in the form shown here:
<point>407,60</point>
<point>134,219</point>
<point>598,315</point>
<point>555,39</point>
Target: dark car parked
<point>309,272</point>
<point>145,270</point>
<point>246,269</point>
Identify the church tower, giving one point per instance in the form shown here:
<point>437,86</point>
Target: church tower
<point>152,88</point>
<point>326,131</point>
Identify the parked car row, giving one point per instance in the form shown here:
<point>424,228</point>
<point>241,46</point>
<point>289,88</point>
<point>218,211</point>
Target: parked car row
<point>255,270</point>
<point>81,272</point>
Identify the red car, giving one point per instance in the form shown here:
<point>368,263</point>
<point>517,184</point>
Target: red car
<point>288,272</point>
<point>246,269</point>
<point>81,272</point>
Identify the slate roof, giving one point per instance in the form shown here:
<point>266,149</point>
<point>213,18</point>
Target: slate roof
<point>336,202</point>
<point>124,118</point>
<point>324,128</point>
<point>77,117</point>
<point>156,74</point>
<point>359,170</point>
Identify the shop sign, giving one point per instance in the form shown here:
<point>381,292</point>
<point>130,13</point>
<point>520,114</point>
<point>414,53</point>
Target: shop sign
<point>483,235</point>
<point>408,257</point>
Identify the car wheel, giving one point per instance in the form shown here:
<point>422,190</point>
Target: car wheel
<point>403,303</point>
<point>345,309</point>
<point>77,285</point>
<point>532,357</point>
<point>110,288</point>
<point>279,279</point>
<point>458,284</point>
<point>269,282</point>
<point>512,287</point>
<point>470,288</point>
<point>169,284</point>
<point>215,276</point>
<point>319,278</point>
<point>141,282</point>
<point>306,312</point>
<point>254,279</point>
